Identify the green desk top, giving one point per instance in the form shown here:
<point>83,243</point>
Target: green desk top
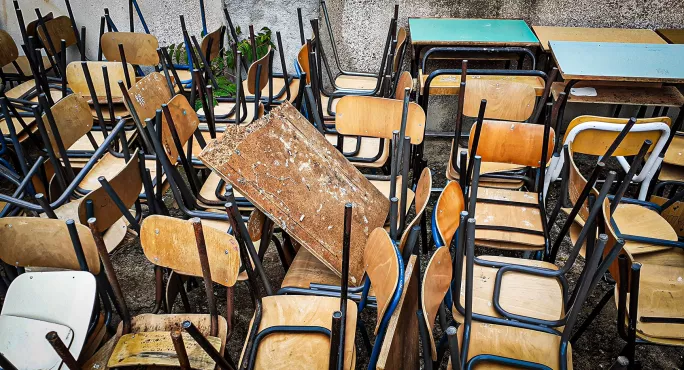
<point>483,32</point>
<point>600,61</point>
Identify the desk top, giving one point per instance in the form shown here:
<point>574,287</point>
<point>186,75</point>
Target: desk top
<point>478,32</point>
<point>619,61</point>
<point>625,35</point>
<point>671,35</point>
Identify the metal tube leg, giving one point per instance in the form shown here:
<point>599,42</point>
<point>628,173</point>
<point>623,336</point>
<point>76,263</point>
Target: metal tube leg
<point>206,346</point>
<point>62,350</point>
<point>181,353</point>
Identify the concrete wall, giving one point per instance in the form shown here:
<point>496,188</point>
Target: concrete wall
<point>162,17</point>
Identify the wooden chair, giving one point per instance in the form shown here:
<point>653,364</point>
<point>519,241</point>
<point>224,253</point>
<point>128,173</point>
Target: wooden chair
<point>15,67</point>
<point>139,49</point>
<point>146,339</point>
<point>500,107</point>
<point>112,99</point>
<point>511,219</point>
<point>593,135</point>
<point>64,301</point>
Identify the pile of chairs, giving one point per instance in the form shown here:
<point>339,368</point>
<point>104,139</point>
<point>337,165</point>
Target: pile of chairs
<point>96,153</point>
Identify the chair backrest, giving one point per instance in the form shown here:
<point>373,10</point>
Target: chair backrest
<point>405,81</point>
<point>170,242</point>
<point>44,242</point>
<point>576,184</point>
<point>514,143</point>
<point>148,94</point>
<point>73,119</point>
<point>58,29</point>
<point>115,72</point>
<point>140,48</point>
<point>399,349</point>
<point>185,121</point>
<point>423,190</point>
<point>127,184</point>
<point>382,267</point>
<point>447,212</point>
<point>303,60</point>
<point>509,101</point>
<point>378,117</point>
<point>436,284</point>
<point>32,26</point>
<point>10,52</point>
<point>401,41</point>
<point>216,42</point>
<point>265,63</point>
<point>593,135</point>
<point>675,152</point>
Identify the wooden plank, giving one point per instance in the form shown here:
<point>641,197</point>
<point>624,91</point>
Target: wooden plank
<point>453,31</point>
<point>292,174</point>
<point>626,35</point>
<point>671,35</point>
<point>619,61</point>
<point>665,96</point>
<point>156,349</point>
<point>399,350</point>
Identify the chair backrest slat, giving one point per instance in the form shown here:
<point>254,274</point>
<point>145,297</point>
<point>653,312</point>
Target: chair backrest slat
<point>596,141</point>
<point>514,143</point>
<point>115,72</point>
<point>448,210</point>
<point>423,190</point>
<point>401,41</point>
<point>127,185</point>
<point>148,94</point>
<point>509,101</point>
<point>264,62</point>
<point>303,61</point>
<point>436,284</point>
<point>215,37</point>
<point>8,49</point>
<point>405,81</point>
<point>170,242</point>
<point>378,117</point>
<point>185,121</point>
<point>73,119</point>
<point>58,29</point>
<point>140,48</point>
<point>43,242</point>
<point>382,267</point>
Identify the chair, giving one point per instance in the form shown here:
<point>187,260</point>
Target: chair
<point>139,49</point>
<point>513,220</point>
<point>44,300</point>
<point>146,339</point>
<point>15,67</point>
<point>593,135</point>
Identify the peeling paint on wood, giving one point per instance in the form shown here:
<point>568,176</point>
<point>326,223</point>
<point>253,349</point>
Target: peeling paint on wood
<point>292,174</point>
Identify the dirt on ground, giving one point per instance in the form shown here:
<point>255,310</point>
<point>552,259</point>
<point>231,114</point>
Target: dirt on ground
<point>597,348</point>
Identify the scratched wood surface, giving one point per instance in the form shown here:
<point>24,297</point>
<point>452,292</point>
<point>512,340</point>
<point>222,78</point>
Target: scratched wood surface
<point>292,174</point>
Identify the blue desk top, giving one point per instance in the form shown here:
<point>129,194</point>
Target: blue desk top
<point>603,61</point>
<point>481,32</point>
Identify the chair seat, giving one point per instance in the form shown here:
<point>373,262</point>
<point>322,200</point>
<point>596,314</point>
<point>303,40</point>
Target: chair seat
<point>120,110</point>
<point>301,351</point>
<point>278,86</point>
<point>19,335</point>
<point>661,291</point>
<point>670,172</point>
<point>522,294</point>
<point>356,82</point>
<point>675,152</point>
<point>370,148</point>
<point>516,343</point>
<point>632,219</point>
<point>488,168</point>
<point>155,348</point>
<point>24,65</point>
<point>108,166</point>
<point>528,218</point>
<point>83,143</point>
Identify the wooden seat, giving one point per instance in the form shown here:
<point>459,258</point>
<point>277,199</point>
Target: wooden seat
<point>278,85</point>
<point>58,28</point>
<point>451,84</point>
<point>510,216</point>
<point>636,220</point>
<point>115,73</point>
<point>23,63</point>
<point>511,342</point>
<point>83,143</point>
<point>20,333</point>
<point>356,82</point>
<point>487,168</point>
<point>521,294</point>
<point>305,351</point>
